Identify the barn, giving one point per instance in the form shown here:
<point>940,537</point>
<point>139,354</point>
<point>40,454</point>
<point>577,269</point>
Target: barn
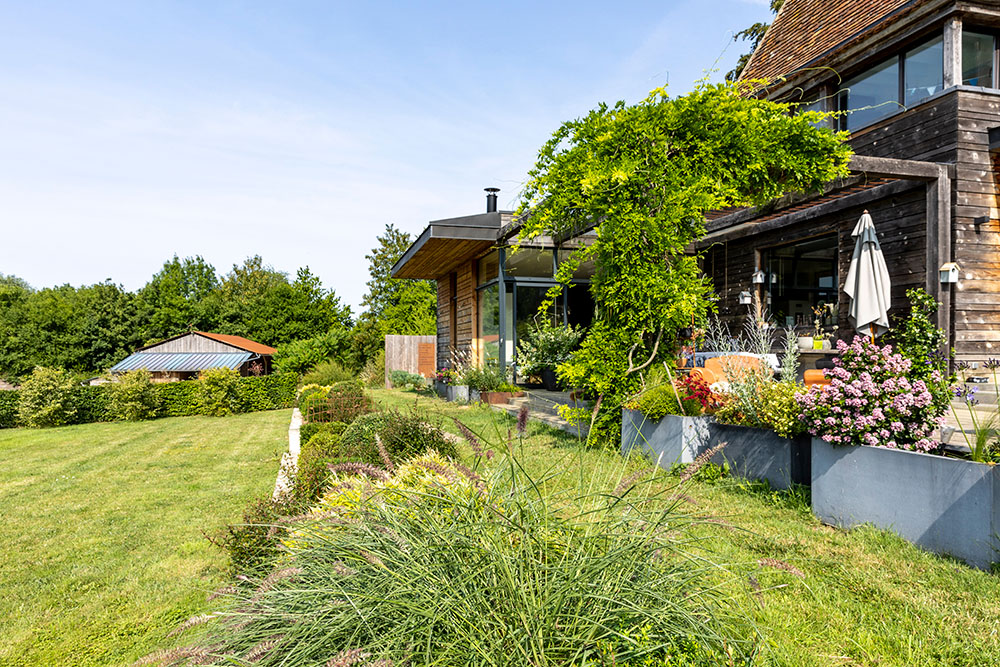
<point>183,357</point>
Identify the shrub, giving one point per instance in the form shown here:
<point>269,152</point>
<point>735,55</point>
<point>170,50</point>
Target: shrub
<point>327,373</point>
<point>665,399</point>
<point>301,355</point>
<point>920,340</point>
<point>47,397</point>
<point>776,408</point>
<point>871,401</point>
<point>8,408</point>
<point>433,565</point>
<point>91,403</point>
<point>178,399</point>
<point>547,346</point>
<point>267,392</point>
<point>312,474</point>
<point>131,397</point>
<point>486,378</point>
<point>343,402</point>
<point>406,380</point>
<point>373,374</point>
<point>254,542</point>
<point>403,435</point>
<point>310,429</point>
<point>219,392</point>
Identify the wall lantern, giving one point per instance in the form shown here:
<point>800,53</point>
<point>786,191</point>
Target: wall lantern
<point>949,272</point>
<point>745,298</point>
<point>758,277</point>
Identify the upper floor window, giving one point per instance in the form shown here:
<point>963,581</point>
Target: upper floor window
<point>923,71</point>
<point>977,59</point>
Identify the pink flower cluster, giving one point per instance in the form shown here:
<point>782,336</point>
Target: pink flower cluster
<point>871,401</point>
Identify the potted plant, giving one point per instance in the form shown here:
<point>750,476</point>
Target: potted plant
<point>544,348</point>
<point>490,384</point>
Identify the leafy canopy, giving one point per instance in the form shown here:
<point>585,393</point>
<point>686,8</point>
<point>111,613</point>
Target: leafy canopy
<point>643,176</point>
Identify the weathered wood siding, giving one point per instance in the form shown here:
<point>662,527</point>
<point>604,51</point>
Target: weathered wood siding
<point>413,354</point>
<point>464,342</point>
<point>194,343</point>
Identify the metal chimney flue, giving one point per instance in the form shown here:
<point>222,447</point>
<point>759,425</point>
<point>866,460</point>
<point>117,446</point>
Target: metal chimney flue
<point>491,199</point>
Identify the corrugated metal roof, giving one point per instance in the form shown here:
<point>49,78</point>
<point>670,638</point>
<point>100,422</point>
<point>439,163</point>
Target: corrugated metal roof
<point>181,361</point>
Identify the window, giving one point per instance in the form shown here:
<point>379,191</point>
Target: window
<point>977,59</point>
<point>489,268</point>
<point>528,262</point>
<point>923,71</point>
<point>453,308</point>
<point>586,268</point>
<point>871,96</point>
<point>800,277</point>
<point>489,322</point>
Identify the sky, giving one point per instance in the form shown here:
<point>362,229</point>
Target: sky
<point>134,131</point>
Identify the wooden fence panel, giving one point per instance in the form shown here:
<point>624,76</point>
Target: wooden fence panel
<point>413,354</point>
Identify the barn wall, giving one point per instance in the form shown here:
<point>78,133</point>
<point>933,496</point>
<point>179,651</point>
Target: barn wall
<point>193,343</point>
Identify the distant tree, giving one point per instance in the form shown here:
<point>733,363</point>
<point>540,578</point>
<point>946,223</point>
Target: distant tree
<point>175,299</point>
<point>392,306</point>
<point>753,34</point>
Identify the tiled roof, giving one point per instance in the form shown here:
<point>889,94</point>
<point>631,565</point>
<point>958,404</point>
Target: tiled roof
<point>240,342</point>
<point>806,29</point>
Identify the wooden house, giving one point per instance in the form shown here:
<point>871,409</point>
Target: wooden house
<point>183,357</point>
<point>918,82</point>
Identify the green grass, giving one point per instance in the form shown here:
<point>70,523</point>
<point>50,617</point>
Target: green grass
<point>101,529</point>
<point>867,598</point>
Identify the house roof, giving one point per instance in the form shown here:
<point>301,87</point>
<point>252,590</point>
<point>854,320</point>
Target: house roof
<point>180,361</point>
<point>240,342</point>
<point>804,30</point>
<point>445,244</point>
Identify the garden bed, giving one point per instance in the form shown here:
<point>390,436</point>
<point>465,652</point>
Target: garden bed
<point>948,506</point>
<point>751,453</point>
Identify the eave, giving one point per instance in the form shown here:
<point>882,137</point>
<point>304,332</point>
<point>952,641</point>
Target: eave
<point>446,244</point>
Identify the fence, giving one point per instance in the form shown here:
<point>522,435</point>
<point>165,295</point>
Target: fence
<point>413,354</point>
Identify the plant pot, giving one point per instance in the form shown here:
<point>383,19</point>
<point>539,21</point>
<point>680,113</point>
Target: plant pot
<point>827,344</point>
<point>550,380</point>
<point>945,505</point>
<point>806,342</point>
<point>817,343</point>
<point>441,388</point>
<point>458,392</point>
<point>474,395</point>
<point>498,397</point>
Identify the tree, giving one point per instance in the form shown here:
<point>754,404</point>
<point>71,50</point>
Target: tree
<point>643,176</point>
<point>753,34</point>
<point>392,306</point>
<point>174,300</point>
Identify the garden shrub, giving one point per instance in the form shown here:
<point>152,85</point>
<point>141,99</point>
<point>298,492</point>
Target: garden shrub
<point>396,561</point>
<point>178,399</point>
<point>312,474</point>
<point>309,429</point>
<point>8,408</point>
<point>373,374</point>
<point>406,380</point>
<point>657,402</point>
<point>403,435</point>
<point>255,541</point>
<point>131,396</point>
<point>301,355</point>
<point>91,404</point>
<point>546,346</point>
<point>267,392</point>
<point>872,401</point>
<point>47,397</point>
<point>920,340</point>
<point>344,402</point>
<point>486,378</point>
<point>219,392</point>
<point>327,373</point>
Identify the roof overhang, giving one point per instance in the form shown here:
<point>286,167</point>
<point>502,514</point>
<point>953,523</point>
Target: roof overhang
<point>446,244</point>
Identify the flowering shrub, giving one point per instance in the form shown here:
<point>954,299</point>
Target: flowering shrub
<point>872,401</point>
<point>446,375</point>
<point>693,387</point>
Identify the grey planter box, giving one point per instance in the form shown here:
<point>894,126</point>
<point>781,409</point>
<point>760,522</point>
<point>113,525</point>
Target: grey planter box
<point>457,392</point>
<point>441,388</point>
<point>474,395</point>
<point>671,440</point>
<point>751,453</point>
<point>948,506</point>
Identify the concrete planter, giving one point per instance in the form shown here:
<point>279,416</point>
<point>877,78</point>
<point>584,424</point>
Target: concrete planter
<point>671,440</point>
<point>457,392</point>
<point>751,453</point>
<point>474,395</point>
<point>441,388</point>
<point>948,506</point>
<point>499,397</point>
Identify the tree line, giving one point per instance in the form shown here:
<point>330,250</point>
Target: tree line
<point>89,328</point>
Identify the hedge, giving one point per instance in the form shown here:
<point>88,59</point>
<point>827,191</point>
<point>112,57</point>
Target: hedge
<point>175,399</point>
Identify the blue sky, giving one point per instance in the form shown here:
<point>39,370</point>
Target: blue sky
<point>132,131</point>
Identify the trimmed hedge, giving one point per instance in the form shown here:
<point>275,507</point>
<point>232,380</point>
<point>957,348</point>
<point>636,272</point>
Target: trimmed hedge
<point>174,399</point>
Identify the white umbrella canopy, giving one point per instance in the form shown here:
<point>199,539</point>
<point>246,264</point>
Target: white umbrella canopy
<point>868,281</point>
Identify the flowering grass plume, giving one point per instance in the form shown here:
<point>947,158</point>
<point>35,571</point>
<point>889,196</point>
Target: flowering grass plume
<point>384,454</point>
<point>260,650</point>
<point>191,654</point>
<point>347,658</point>
<point>782,565</point>
<point>191,622</point>
<point>871,401</point>
<point>700,461</point>
<point>471,438</point>
<point>630,481</point>
<point>363,469</point>
<point>522,419</point>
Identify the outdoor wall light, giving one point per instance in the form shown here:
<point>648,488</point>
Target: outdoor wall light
<point>758,277</point>
<point>745,298</point>
<point>949,272</point>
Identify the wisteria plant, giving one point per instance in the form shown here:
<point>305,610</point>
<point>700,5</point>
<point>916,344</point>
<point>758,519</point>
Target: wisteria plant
<point>871,400</point>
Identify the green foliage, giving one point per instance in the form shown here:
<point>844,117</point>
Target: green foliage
<point>486,378</point>
<point>300,356</point>
<point>91,404</point>
<point>47,397</point>
<point>774,407</point>
<point>254,542</point>
<point>327,373</point>
<point>373,373</point>
<point>178,399</point>
<point>8,408</point>
<point>312,475</point>
<point>310,429</point>
<point>393,306</point>
<point>219,392</point>
<point>657,402</point>
<point>403,435</point>
<point>177,298</point>
<point>919,339</point>
<point>267,392</point>
<point>546,346</point>
<point>343,402</point>
<point>131,396</point>
<point>645,175</point>
<point>406,380</point>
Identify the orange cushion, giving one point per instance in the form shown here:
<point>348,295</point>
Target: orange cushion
<point>815,376</point>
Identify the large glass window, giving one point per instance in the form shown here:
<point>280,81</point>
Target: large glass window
<point>489,267</point>
<point>923,71</point>
<point>529,263</point>
<point>489,323</point>
<point>801,277</point>
<point>586,268</point>
<point>871,96</point>
<point>977,59</point>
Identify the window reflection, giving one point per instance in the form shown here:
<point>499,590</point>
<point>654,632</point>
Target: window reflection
<point>977,59</point>
<point>529,262</point>
<point>923,72</point>
<point>871,96</point>
<point>800,277</point>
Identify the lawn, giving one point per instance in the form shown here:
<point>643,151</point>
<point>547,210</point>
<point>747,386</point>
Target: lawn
<point>101,527</point>
<point>866,597</point>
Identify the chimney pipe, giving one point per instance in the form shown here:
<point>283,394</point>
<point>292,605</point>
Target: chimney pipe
<point>491,199</point>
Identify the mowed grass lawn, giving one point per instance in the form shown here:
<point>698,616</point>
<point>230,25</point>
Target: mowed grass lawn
<point>101,529</point>
<point>867,597</point>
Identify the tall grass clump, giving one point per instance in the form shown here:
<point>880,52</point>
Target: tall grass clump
<point>437,565</point>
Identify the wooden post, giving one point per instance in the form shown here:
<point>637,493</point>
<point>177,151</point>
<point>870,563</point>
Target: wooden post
<point>953,52</point>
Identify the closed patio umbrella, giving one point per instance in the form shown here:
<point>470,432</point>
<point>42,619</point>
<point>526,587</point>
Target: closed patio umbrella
<point>868,281</point>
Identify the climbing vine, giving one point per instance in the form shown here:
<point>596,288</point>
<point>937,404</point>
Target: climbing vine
<point>642,177</point>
